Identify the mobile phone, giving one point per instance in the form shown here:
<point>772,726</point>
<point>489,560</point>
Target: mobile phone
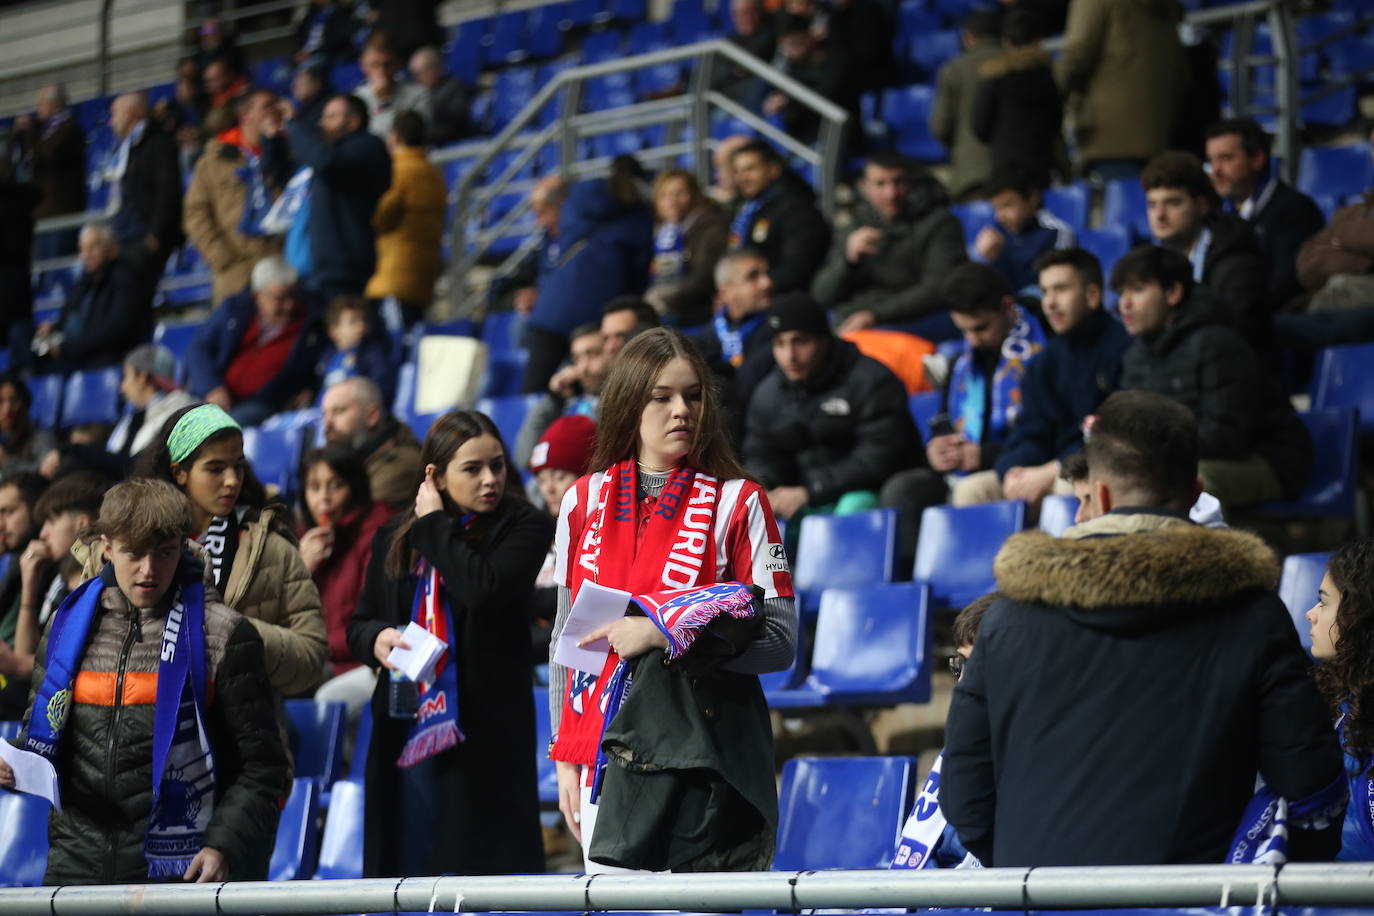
<point>941,425</point>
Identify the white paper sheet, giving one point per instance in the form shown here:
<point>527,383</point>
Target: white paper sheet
<point>33,774</point>
<point>595,607</point>
<point>419,661</point>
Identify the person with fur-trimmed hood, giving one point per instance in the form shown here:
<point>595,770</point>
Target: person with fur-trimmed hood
<point>1136,678</point>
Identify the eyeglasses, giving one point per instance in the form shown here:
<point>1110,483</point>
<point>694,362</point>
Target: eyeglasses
<point>956,665</point>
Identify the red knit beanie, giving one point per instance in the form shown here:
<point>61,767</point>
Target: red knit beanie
<point>566,445</point>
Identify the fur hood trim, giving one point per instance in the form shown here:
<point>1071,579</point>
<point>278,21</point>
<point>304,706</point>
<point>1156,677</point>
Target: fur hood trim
<point>1174,564</point>
<point>1014,61</point>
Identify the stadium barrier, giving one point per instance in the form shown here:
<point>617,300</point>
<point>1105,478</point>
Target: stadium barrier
<point>1344,885</point>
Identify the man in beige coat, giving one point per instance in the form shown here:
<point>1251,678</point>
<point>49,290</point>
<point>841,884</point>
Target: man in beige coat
<point>951,117</point>
<point>230,174</point>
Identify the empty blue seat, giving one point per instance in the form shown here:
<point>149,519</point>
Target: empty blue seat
<point>501,330</point>
<point>842,812</point>
<point>1057,513</point>
<point>973,216</point>
<point>1338,170</point>
<point>907,111</point>
<point>1345,378</point>
<point>913,18</point>
<point>316,732</point>
<point>1336,109</point>
<point>420,423</point>
<point>505,43</point>
<point>23,839</point>
<point>871,645</point>
<point>1123,207</point>
<point>627,10</point>
<point>585,12</point>
<point>931,49</point>
<point>404,403</point>
<point>1108,244</point>
<point>464,58</point>
<point>297,846</point>
<point>508,413</point>
<point>543,731</point>
<point>341,844</point>
<point>1302,576</point>
<point>842,551</point>
<point>1070,203</point>
<point>1332,489</point>
<point>505,373</point>
<point>362,739</point>
<point>924,405</point>
<point>10,728</point>
<point>91,397</point>
<point>545,30</point>
<point>690,24</point>
<point>957,545</point>
<point>275,454</point>
<point>599,47</point>
<point>46,391</point>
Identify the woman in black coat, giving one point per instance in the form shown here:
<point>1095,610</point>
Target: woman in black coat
<point>466,801</point>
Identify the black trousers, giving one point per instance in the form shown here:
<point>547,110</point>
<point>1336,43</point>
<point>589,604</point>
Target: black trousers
<point>547,351</point>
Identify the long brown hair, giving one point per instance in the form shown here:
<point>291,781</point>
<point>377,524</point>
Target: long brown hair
<point>443,441</point>
<point>1348,678</point>
<point>627,389</point>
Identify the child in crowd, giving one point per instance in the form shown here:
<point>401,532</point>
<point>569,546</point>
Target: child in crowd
<point>177,775</point>
<point>1022,230</point>
<point>354,351</point>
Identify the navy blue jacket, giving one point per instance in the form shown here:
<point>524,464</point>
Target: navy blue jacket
<point>1016,263</point>
<point>1063,384</point>
<point>603,250</point>
<point>214,346</point>
<point>351,175</point>
<point>1288,219</point>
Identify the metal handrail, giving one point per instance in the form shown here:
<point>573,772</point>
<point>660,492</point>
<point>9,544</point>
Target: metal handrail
<point>467,198</point>
<point>1014,888</point>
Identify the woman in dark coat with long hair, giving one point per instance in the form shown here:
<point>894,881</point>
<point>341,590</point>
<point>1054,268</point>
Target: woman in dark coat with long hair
<point>445,793</point>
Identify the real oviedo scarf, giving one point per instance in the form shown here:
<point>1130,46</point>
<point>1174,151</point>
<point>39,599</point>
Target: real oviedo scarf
<point>183,766</point>
<point>674,550</point>
<point>436,723</point>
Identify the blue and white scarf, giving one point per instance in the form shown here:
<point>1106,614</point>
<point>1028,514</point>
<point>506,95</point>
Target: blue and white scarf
<point>732,337</point>
<point>183,765</point>
<point>670,245</point>
<point>742,226</point>
<point>924,826</point>
<point>279,217</point>
<point>1262,836</point>
<point>257,202</point>
<point>436,723</point>
<point>967,391</point>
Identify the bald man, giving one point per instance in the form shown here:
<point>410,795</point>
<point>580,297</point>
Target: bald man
<point>147,187</point>
<point>447,99</point>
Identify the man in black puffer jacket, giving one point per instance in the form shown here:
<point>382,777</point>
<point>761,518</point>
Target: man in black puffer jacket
<point>827,422</point>
<point>1135,677</point>
<point>105,716</point>
<point>1252,446</point>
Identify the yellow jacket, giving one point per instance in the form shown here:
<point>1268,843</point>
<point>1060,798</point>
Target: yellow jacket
<point>409,223</point>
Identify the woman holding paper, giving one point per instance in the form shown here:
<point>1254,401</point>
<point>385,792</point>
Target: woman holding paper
<point>668,507</point>
<point>1342,631</point>
<point>451,779</point>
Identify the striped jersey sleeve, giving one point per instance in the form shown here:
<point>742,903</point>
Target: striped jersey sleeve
<point>750,549</point>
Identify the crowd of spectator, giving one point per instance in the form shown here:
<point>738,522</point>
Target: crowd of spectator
<point>736,319</point>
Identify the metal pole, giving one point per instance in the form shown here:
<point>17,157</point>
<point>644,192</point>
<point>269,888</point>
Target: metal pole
<point>1285,43</point>
<point>103,52</point>
<point>1039,888</point>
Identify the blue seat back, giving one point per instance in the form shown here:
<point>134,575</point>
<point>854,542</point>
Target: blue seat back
<point>316,732</point>
<point>1345,378</point>
<point>298,836</point>
<point>47,400</point>
<point>1337,170</point>
<point>842,812</point>
<point>1123,207</point>
<point>23,839</point>
<point>1332,489</point>
<point>871,645</point>
<point>1070,203</point>
<point>362,740</point>
<point>974,217</point>
<point>1108,244</point>
<point>1056,513</point>
<point>403,405</point>
<point>341,845</point>
<point>837,551</point>
<point>275,453</point>
<point>420,424</point>
<point>1302,576</point>
<point>177,338</point>
<point>505,373</point>
<point>10,728</point>
<point>957,545</point>
<point>543,731</point>
<point>91,396</point>
<point>508,413</point>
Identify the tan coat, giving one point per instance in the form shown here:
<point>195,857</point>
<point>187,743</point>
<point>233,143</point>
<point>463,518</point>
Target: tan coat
<point>951,117</point>
<point>211,211</point>
<point>271,586</point>
<point>1124,73</point>
<point>393,466</point>
<point>409,223</point>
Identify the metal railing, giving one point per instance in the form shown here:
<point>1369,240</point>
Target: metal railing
<point>690,110</point>
<point>1345,885</point>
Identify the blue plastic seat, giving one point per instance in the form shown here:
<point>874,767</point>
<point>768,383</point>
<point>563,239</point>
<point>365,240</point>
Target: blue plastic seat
<point>842,812</point>
<point>1302,576</point>
<point>1338,170</point>
<point>501,330</point>
<point>1335,110</point>
<point>907,111</point>
<point>690,24</point>
<point>1056,513</point>
<point>296,850</point>
<point>957,545</point>
<point>627,10</point>
<point>1332,490</point>
<point>508,413</point>
<point>10,728</point>
<point>545,30</point>
<point>275,453</point>
<point>464,58</point>
<point>1070,203</point>
<point>91,397</point>
<point>924,405</point>
<point>1345,378</point>
<point>341,844</point>
<point>599,47</point>
<point>362,740</point>
<point>420,423</point>
<point>47,399</point>
<point>788,687</point>
<point>914,18</point>
<point>1109,244</point>
<point>316,732</point>
<point>1123,208</point>
<point>585,12</point>
<point>543,731</point>
<point>23,839</point>
<point>930,50</point>
<point>403,404</point>
<point>871,645</point>
<point>843,551</point>
<point>505,373</point>
<point>505,43</point>
<point>973,216</point>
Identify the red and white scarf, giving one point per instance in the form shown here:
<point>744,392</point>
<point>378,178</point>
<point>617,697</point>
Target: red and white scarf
<point>640,546</point>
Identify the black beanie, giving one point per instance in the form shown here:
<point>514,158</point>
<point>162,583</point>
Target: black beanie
<point>798,312</point>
